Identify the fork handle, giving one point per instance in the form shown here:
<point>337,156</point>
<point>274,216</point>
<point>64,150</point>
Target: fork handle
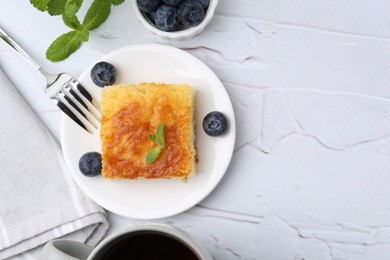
<point>8,40</point>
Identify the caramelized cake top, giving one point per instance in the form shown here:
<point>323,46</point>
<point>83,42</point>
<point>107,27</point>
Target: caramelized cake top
<point>130,113</point>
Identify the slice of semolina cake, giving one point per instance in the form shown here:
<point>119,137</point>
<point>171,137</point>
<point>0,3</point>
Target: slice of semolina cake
<point>130,114</point>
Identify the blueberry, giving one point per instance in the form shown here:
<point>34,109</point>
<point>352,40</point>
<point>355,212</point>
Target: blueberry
<point>172,2</point>
<point>190,12</point>
<point>166,18</point>
<point>103,74</point>
<point>215,123</point>
<point>204,3</point>
<point>90,164</point>
<point>151,16</point>
<point>148,5</point>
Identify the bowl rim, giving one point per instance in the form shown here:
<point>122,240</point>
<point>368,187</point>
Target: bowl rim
<point>182,34</point>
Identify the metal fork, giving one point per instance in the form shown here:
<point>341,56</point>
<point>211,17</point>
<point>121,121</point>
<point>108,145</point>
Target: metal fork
<point>65,91</point>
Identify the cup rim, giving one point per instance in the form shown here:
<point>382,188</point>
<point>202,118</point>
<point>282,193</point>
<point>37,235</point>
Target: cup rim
<point>175,232</point>
<point>182,34</point>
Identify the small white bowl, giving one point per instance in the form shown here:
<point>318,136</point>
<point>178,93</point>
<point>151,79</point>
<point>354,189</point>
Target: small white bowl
<point>177,35</point>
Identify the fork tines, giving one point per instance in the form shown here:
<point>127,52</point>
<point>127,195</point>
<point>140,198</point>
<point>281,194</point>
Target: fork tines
<point>75,101</point>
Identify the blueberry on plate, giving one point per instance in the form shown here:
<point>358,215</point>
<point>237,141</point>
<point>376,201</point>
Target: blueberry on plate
<point>190,13</point>
<point>103,74</point>
<point>215,123</point>
<point>172,2</point>
<point>148,5</point>
<point>90,164</point>
<point>166,18</point>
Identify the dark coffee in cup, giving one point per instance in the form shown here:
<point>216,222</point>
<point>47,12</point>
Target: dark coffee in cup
<point>147,245</point>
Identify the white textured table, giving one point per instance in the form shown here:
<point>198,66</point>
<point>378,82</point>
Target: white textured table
<point>310,85</point>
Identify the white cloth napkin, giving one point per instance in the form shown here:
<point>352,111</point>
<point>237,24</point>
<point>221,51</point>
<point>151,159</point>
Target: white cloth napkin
<point>38,199</point>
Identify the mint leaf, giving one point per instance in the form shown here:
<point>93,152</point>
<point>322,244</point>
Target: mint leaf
<point>69,16</point>
<point>97,14</point>
<point>56,7</point>
<point>153,154</point>
<point>72,22</point>
<point>72,6</point>
<point>160,134</point>
<point>66,44</point>
<point>41,5</point>
<point>117,2</point>
<point>153,138</point>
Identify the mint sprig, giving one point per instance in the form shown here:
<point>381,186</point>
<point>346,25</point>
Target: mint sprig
<point>69,42</point>
<point>158,138</point>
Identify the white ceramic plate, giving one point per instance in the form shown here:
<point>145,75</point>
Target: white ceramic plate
<point>152,199</point>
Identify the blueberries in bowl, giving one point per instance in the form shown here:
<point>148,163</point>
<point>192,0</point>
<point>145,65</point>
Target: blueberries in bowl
<point>166,18</point>
<point>148,5</point>
<point>90,164</point>
<point>103,74</point>
<point>215,123</point>
<point>191,13</point>
<point>172,2</point>
<point>204,3</point>
<point>174,15</point>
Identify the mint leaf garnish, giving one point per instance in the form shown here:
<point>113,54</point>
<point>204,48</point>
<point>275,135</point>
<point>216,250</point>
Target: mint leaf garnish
<point>66,44</point>
<point>160,134</point>
<point>153,138</point>
<point>97,14</point>
<point>153,154</point>
<point>158,138</point>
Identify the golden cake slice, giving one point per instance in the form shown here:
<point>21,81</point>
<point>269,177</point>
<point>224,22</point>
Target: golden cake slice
<point>130,113</point>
